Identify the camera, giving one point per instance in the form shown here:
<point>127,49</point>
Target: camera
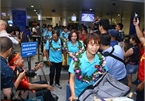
<point>29,73</point>
<point>135,16</point>
<point>96,25</point>
<point>36,63</point>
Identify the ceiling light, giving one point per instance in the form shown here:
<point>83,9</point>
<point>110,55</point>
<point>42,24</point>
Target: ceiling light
<point>90,9</point>
<point>34,10</point>
<point>118,14</point>
<point>32,6</point>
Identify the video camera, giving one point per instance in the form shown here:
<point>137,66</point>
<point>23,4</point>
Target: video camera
<point>29,73</point>
<point>96,25</point>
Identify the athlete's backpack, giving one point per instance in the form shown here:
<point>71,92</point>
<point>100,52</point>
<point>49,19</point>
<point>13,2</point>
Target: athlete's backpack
<point>120,36</point>
<point>61,40</point>
<point>25,38</point>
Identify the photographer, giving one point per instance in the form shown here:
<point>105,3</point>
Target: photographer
<point>16,61</point>
<point>6,72</point>
<point>141,80</point>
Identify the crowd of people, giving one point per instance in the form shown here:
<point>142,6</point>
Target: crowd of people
<point>81,50</point>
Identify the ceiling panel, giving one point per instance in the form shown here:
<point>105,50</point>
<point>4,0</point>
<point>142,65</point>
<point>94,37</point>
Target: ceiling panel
<point>72,6</point>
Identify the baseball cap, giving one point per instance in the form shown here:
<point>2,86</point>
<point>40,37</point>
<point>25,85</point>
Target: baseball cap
<point>113,32</point>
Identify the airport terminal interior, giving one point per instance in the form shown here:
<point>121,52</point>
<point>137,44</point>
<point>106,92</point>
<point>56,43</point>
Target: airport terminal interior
<point>71,13</point>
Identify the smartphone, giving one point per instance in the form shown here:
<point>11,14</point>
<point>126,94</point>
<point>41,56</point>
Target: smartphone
<point>135,16</point>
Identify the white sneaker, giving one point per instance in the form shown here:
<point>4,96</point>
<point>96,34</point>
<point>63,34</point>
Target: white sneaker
<point>58,85</point>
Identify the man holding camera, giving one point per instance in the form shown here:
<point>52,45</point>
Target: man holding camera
<point>16,63</point>
<point>7,75</point>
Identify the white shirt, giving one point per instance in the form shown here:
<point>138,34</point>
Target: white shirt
<point>3,33</point>
<point>34,29</point>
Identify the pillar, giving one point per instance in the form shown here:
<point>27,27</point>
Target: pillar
<point>65,18</point>
<point>40,17</point>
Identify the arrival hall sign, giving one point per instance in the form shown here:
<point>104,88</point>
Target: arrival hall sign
<point>28,49</point>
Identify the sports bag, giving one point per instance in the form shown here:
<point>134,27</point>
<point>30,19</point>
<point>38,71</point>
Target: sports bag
<point>106,87</point>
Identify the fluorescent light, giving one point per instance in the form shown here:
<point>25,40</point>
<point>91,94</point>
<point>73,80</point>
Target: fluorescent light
<point>32,6</point>
<point>73,17</point>
<point>28,17</point>
<point>34,10</point>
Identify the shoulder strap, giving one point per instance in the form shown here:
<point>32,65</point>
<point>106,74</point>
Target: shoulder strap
<point>121,60</point>
<point>110,54</point>
<point>61,42</point>
<point>50,41</point>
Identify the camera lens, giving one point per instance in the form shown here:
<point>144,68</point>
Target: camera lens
<point>30,73</point>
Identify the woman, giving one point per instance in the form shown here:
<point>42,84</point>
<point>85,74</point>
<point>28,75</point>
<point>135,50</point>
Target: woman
<point>84,34</point>
<point>53,53</point>
<point>74,45</point>
<point>48,33</point>
<point>132,58</point>
<point>86,66</point>
<point>15,60</point>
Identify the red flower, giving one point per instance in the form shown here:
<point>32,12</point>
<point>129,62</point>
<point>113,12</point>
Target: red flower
<point>96,66</point>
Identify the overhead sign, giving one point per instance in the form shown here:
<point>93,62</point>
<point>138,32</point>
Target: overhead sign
<point>19,18</point>
<point>28,49</point>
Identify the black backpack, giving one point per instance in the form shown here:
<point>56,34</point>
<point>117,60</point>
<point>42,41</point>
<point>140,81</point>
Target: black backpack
<point>120,36</point>
<point>50,41</point>
<point>24,38</point>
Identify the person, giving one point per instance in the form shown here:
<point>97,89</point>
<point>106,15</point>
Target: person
<point>53,52</point>
<point>6,72</point>
<point>140,86</point>
<point>27,32</point>
<point>65,33</point>
<point>115,67</point>
<point>84,65</point>
<point>79,33</point>
<point>48,33</point>
<point>113,33</point>
<point>120,38</point>
<point>3,32</point>
<point>34,32</point>
<point>140,44</point>
<point>119,27</point>
<point>15,60</point>
<point>104,26</point>
<point>11,30</point>
<point>132,58</point>
<point>74,45</point>
<point>83,34</point>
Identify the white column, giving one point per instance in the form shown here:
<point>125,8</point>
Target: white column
<point>40,17</point>
<point>9,13</point>
<point>65,18</point>
<point>80,17</point>
<point>55,20</point>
